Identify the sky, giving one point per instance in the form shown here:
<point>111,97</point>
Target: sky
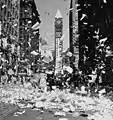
<point>47,10</point>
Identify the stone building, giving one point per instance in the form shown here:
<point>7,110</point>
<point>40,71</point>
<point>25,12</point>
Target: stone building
<point>95,23</point>
<point>19,29</point>
<point>73,33</point>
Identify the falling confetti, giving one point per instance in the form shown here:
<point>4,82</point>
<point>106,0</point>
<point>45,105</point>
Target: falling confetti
<point>83,16</point>
<point>104,1</point>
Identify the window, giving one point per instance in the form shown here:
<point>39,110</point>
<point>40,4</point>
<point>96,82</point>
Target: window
<point>16,33</point>
<point>21,30</point>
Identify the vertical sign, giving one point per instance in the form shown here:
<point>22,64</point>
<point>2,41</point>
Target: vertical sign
<point>58,41</point>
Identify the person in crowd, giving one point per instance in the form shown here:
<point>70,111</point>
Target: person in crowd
<point>10,73</point>
<point>4,78</point>
<point>35,80</point>
<point>14,79</point>
<point>43,81</point>
<point>50,79</point>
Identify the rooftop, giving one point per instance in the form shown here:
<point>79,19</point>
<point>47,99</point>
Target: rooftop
<point>58,14</point>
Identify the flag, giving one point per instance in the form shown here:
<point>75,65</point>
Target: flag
<point>36,26</point>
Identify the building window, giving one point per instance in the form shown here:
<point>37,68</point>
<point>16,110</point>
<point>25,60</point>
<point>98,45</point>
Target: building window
<point>21,30</point>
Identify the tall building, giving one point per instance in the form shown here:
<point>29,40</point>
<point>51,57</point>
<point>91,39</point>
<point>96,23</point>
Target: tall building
<point>58,40</point>
<point>9,17</point>
<point>28,17</point>
<point>19,28</point>
<point>73,33</point>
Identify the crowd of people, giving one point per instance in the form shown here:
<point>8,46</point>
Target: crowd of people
<point>41,78</point>
<point>68,78</point>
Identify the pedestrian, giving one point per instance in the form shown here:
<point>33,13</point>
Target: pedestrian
<point>4,79</point>
<point>35,80</point>
<point>43,82</point>
<point>10,73</point>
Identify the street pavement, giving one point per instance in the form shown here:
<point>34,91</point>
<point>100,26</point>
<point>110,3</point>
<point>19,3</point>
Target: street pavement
<point>7,112</point>
<point>36,115</point>
<point>52,105</point>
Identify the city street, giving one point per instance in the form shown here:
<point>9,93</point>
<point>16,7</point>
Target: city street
<point>56,60</point>
<point>24,104</point>
<point>36,115</point>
